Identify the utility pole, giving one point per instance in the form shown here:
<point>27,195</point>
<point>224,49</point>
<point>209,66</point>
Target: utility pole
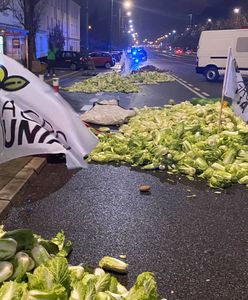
<point>87,25</point>
<point>111,24</point>
<point>120,26</point>
<point>190,20</point>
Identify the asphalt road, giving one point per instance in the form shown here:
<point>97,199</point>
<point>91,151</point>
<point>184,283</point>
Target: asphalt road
<point>197,247</point>
<point>184,67</point>
<point>188,85</point>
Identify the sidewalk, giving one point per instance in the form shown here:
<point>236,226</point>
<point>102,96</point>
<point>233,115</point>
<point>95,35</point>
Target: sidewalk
<point>14,175</point>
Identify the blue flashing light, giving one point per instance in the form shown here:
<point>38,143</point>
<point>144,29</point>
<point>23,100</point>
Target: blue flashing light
<point>134,52</point>
<point>136,60</point>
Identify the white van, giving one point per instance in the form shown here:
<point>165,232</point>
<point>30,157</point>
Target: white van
<point>213,49</point>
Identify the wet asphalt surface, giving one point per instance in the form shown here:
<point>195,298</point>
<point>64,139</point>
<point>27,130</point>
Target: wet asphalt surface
<point>196,246</point>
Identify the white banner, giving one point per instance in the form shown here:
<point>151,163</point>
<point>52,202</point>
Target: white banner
<point>36,120</point>
<point>235,88</point>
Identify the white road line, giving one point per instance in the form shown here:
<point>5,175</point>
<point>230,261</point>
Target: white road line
<point>93,100</point>
<point>86,108</point>
<point>62,76</point>
<point>191,85</point>
<point>190,89</point>
<point>205,94</point>
<point>198,90</point>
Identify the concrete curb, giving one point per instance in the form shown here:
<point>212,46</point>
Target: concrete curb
<point>8,192</point>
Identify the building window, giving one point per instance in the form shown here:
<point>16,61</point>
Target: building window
<point>242,44</point>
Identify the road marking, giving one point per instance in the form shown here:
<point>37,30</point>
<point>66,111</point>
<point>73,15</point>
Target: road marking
<point>175,59</point>
<point>86,108</point>
<point>198,90</point>
<point>205,94</point>
<point>62,76</point>
<point>191,85</point>
<point>93,100</point>
<point>189,88</point>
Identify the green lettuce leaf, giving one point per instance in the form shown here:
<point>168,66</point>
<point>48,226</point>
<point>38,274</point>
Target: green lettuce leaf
<point>57,293</point>
<point>145,288</point>
<point>46,276</point>
<point>13,291</point>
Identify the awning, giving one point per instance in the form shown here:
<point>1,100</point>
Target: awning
<point>11,30</point>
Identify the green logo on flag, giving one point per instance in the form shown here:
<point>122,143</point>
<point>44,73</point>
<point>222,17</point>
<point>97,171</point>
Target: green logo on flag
<point>11,83</point>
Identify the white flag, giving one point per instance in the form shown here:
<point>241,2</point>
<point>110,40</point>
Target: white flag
<point>235,88</point>
<point>36,120</point>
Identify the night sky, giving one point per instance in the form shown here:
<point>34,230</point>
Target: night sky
<point>158,16</point>
<point>155,17</point>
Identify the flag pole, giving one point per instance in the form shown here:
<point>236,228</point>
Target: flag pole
<point>224,88</point>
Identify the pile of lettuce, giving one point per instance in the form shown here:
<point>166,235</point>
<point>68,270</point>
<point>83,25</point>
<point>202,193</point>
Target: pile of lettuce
<point>114,82</point>
<point>32,268</point>
<point>148,68</point>
<point>108,82</point>
<point>182,139</point>
<point>151,77</point>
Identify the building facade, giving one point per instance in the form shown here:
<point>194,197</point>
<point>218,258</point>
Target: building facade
<point>13,38</point>
<point>64,13</point>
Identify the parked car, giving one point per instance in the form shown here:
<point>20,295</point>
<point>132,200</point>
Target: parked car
<point>102,59</point>
<point>70,59</point>
<point>116,55</point>
<point>213,49</point>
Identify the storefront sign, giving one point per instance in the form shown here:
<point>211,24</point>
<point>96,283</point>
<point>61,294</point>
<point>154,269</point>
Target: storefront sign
<point>16,43</point>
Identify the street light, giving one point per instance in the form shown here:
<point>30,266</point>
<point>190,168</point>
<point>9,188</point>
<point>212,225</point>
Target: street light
<point>130,21</point>
<point>129,13</point>
<point>209,20</point>
<point>174,31</point>
<point>236,10</point>
<point>89,27</point>
<point>127,4</point>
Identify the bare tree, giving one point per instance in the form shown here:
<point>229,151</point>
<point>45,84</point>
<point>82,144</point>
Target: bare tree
<point>28,13</point>
<point>4,5</point>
